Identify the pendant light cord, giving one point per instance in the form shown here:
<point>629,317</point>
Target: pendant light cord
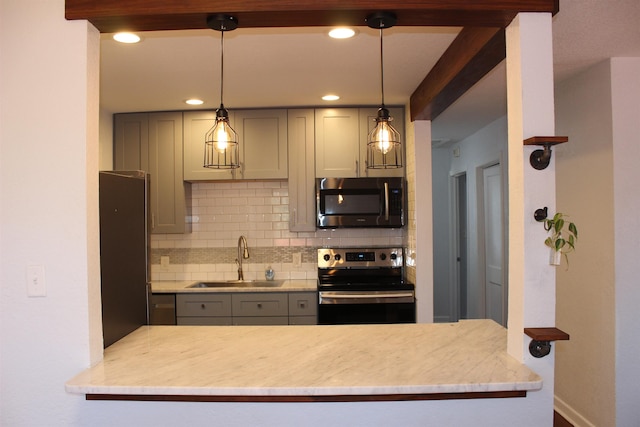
<point>381,68</point>
<point>221,66</point>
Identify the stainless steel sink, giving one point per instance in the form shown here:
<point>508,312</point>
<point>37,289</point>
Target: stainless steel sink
<point>239,284</point>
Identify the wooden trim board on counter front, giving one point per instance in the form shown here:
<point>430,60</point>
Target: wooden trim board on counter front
<point>302,399</point>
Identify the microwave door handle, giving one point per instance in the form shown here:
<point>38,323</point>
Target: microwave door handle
<point>386,201</point>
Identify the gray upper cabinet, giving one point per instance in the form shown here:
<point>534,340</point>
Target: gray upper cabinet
<point>262,136</point>
<point>341,142</point>
<point>153,142</point>
<point>196,125</point>
<point>131,141</point>
<point>367,122</point>
<point>302,207</point>
<point>337,138</point>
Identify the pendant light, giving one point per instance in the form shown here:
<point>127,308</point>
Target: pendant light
<point>384,150</point>
<point>221,141</point>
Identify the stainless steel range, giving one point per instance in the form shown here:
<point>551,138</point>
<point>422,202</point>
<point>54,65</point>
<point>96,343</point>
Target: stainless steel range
<point>357,285</point>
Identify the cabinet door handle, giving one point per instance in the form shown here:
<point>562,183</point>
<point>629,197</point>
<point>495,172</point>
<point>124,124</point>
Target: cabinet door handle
<point>302,305</point>
<point>357,168</point>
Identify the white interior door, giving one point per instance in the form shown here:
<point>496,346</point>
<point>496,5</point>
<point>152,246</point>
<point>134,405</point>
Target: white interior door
<point>494,286</point>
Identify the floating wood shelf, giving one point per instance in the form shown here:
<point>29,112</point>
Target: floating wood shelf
<point>546,334</point>
<point>540,159</point>
<point>541,339</point>
<point>546,140</point>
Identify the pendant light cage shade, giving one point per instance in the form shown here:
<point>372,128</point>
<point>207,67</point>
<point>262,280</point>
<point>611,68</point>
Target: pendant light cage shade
<point>221,144</point>
<point>221,141</point>
<point>384,150</point>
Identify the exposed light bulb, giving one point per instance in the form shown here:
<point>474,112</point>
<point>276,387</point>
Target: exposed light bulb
<point>221,136</point>
<point>383,137</point>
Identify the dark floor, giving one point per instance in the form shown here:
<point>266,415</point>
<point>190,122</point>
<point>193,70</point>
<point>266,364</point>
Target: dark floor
<point>559,421</point>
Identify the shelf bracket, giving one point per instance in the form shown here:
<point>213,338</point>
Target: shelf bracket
<point>540,159</point>
<point>540,344</point>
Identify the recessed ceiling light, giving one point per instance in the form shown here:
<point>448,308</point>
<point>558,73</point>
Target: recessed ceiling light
<point>330,98</point>
<point>194,101</point>
<point>126,37</point>
<point>342,33</point>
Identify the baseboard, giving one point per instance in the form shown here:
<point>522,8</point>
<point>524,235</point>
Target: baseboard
<point>441,319</point>
<point>570,414</point>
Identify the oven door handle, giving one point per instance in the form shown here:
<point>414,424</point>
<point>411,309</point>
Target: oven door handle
<point>336,297</point>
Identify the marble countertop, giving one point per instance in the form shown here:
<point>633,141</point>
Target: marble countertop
<point>182,286</point>
<point>339,360</point>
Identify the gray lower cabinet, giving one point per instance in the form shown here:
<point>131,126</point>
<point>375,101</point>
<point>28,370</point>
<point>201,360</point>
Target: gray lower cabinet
<point>303,308</point>
<point>260,308</point>
<point>162,309</point>
<point>246,308</point>
<point>203,309</point>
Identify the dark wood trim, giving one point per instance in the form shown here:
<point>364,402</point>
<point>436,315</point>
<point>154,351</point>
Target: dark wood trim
<point>560,421</point>
<point>546,334</point>
<point>329,398</point>
<point>473,53</point>
<point>546,140</point>
<point>150,15</point>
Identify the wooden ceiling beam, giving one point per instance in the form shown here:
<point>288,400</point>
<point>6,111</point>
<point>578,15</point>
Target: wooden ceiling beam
<point>472,54</point>
<point>152,15</point>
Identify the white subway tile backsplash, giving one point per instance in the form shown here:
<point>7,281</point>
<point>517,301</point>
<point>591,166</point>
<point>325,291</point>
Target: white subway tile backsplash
<point>222,211</point>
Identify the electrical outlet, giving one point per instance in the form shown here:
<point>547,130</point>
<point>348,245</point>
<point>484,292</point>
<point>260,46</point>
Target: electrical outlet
<point>297,259</point>
<point>36,286</point>
<point>164,262</point>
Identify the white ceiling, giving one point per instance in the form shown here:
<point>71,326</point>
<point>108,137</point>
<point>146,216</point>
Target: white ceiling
<point>289,67</point>
<point>271,67</point>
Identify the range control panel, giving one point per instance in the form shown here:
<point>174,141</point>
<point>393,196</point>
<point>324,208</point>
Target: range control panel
<point>360,258</point>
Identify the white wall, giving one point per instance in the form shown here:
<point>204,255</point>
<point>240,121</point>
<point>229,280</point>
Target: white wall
<point>625,75</point>
<point>48,183</point>
<point>597,295</point>
<point>49,217</point>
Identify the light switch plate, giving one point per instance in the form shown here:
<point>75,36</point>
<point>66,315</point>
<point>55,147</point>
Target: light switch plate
<point>36,286</point>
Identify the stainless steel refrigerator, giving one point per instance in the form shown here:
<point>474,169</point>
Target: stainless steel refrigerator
<point>124,248</point>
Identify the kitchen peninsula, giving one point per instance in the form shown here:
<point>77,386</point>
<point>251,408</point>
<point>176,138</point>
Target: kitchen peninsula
<point>460,360</point>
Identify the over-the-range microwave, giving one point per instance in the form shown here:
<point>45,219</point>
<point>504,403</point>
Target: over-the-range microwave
<point>359,202</point>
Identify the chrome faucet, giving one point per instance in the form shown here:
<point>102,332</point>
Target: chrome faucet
<point>243,253</point>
